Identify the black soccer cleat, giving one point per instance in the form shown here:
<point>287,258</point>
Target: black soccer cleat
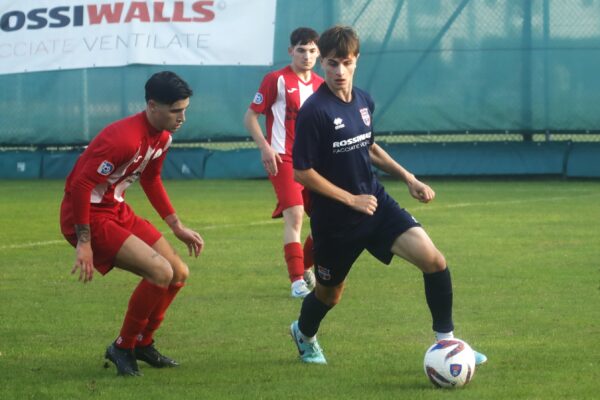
<point>124,360</point>
<point>153,357</point>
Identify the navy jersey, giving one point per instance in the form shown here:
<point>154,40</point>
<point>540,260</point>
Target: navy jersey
<point>333,137</point>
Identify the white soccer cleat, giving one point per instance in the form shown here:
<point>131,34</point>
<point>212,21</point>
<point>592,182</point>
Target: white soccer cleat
<point>309,278</point>
<point>299,289</point>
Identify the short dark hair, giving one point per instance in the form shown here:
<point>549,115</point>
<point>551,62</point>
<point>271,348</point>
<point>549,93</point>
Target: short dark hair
<point>167,87</point>
<point>339,41</point>
<point>302,36</point>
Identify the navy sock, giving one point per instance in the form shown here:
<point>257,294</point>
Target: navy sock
<point>438,292</point>
<point>311,314</point>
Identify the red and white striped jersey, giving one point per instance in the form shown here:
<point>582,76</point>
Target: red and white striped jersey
<point>279,97</point>
<point>123,152</point>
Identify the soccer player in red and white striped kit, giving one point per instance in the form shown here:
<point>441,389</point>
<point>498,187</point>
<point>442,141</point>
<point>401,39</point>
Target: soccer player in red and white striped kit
<point>105,231</point>
<point>279,97</point>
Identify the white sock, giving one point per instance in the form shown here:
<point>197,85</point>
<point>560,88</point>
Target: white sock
<point>444,335</point>
<point>307,339</point>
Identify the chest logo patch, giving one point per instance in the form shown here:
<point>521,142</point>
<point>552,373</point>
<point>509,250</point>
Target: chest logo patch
<point>338,123</point>
<point>106,168</point>
<point>366,117</point>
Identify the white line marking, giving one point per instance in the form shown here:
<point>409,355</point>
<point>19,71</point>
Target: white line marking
<point>31,244</point>
<point>276,221</point>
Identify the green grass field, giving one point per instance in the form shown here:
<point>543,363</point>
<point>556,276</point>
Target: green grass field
<point>524,259</point>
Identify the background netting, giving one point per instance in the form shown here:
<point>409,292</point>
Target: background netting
<point>439,70</point>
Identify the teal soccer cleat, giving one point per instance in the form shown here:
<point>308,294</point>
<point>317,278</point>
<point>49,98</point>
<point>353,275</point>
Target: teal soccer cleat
<point>480,358</point>
<point>309,352</point>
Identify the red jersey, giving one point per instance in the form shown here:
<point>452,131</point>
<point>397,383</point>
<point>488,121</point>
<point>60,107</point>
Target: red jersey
<point>279,97</point>
<point>123,152</point>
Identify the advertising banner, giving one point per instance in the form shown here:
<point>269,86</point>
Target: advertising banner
<point>42,35</point>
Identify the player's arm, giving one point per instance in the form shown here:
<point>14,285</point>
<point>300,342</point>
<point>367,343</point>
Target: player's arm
<point>152,185</point>
<point>269,157</point>
<point>315,182</point>
<point>81,194</point>
<point>382,160</point>
<point>84,257</point>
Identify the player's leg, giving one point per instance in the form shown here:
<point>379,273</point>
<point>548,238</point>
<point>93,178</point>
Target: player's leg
<point>290,205</point>
<point>139,258</point>
<point>145,349</point>
<point>309,275</point>
<point>315,307</point>
<point>416,246</point>
<point>333,260</point>
<point>293,251</point>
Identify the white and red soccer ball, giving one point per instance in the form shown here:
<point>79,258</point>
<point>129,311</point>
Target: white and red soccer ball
<point>450,363</point>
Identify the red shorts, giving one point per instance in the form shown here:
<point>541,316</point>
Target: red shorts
<point>110,228</point>
<point>289,192</point>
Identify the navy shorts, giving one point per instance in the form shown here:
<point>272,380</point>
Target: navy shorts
<point>335,252</point>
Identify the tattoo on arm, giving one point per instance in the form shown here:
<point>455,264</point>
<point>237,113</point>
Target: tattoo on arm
<point>83,233</point>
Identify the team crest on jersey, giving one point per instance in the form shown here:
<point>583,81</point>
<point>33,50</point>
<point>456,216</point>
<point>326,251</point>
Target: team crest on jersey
<point>258,98</point>
<point>106,168</point>
<point>366,117</point>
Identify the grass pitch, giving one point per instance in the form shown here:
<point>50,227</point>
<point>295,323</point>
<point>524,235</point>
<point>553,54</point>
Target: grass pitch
<point>523,256</point>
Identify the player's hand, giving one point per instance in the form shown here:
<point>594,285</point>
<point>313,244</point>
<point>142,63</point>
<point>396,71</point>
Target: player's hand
<point>84,261</point>
<point>421,191</point>
<point>364,203</point>
<point>270,159</point>
<point>191,238</point>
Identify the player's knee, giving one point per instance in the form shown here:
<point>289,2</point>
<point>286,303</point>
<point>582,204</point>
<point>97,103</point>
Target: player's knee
<point>329,296</point>
<point>294,216</point>
<point>181,272</point>
<point>334,300</point>
<point>296,223</point>
<point>434,262</point>
<point>162,273</point>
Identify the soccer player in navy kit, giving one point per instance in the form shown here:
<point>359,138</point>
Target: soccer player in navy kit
<point>351,211</point>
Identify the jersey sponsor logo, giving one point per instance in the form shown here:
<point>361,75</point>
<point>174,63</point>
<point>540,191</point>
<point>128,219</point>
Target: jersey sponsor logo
<point>354,143</point>
<point>324,273</point>
<point>106,168</point>
<point>366,117</point>
<point>353,140</point>
<point>338,123</point>
<point>292,90</point>
<point>258,98</point>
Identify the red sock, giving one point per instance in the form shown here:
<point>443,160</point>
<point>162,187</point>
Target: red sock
<point>308,253</point>
<point>157,315</point>
<point>294,257</point>
<point>143,300</point>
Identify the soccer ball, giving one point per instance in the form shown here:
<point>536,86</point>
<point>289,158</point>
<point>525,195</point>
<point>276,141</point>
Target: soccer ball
<point>449,363</point>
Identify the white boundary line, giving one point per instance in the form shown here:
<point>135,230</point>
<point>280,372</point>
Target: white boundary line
<point>30,244</point>
<point>275,221</point>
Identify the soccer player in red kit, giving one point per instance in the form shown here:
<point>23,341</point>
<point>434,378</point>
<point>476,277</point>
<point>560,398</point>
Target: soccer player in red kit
<point>279,97</point>
<point>105,231</point>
